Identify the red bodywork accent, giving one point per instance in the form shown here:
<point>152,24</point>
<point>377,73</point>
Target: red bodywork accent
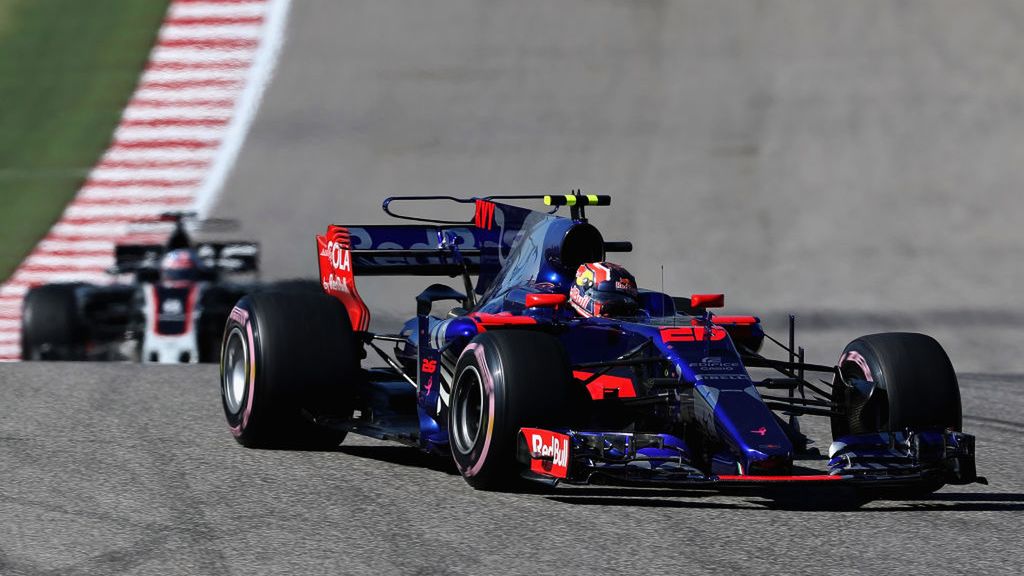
<point>691,333</point>
<point>602,385</point>
<point>484,217</point>
<point>337,277</point>
<point>429,366</point>
<point>154,310</point>
<point>707,300</point>
<point>485,321</point>
<point>730,320</point>
<point>549,452</point>
<point>545,300</point>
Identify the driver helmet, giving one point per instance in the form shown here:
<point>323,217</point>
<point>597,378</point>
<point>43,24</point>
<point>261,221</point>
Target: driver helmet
<point>604,290</point>
<point>181,266</point>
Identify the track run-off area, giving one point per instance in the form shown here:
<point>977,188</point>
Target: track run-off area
<point>858,164</point>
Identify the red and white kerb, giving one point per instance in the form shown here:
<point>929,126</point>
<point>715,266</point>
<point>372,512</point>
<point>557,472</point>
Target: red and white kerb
<point>179,129</point>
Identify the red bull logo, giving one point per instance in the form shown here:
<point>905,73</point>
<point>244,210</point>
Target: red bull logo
<point>549,452</point>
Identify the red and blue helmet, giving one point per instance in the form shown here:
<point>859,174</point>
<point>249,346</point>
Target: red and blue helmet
<point>182,265</point>
<point>605,290</point>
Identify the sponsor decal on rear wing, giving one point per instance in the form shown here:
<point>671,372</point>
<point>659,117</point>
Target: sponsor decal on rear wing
<point>417,250</point>
<point>334,254</point>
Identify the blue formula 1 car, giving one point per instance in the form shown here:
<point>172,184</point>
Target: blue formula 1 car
<point>554,366</point>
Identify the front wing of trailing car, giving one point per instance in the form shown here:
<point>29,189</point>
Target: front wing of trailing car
<point>624,458</point>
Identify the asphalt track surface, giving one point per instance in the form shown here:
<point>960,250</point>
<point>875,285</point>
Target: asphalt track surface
<point>114,469</point>
<point>857,163</point>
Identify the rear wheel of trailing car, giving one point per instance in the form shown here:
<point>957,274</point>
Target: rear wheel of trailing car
<point>915,387</point>
<point>51,328</point>
<point>503,381</point>
<point>287,360</point>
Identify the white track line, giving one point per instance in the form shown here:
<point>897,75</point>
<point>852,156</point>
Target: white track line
<point>177,95</point>
<point>96,230</point>
<point>46,276</point>
<point>134,174</point>
<point>200,55</point>
<point>260,75</point>
<point>177,112</point>
<point>125,154</point>
<point>192,75</point>
<point>70,262</point>
<point>217,31</point>
<point>212,10</point>
<point>132,211</point>
<point>138,133</point>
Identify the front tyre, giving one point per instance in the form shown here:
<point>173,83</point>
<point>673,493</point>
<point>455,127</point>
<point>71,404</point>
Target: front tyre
<point>914,381</point>
<point>504,380</point>
<point>287,358</point>
<point>915,387</point>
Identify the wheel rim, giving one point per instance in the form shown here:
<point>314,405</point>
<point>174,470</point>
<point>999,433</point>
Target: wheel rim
<point>467,410</point>
<point>235,371</point>
<point>873,417</point>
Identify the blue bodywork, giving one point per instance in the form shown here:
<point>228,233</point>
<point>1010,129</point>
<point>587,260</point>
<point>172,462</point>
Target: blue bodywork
<point>714,422</point>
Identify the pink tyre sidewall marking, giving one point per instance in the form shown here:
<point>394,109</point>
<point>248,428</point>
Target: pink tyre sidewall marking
<point>241,316</point>
<point>861,362</point>
<point>488,382</point>
<point>250,370</point>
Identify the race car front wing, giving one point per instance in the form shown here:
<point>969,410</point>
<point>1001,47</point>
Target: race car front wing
<point>626,458</point>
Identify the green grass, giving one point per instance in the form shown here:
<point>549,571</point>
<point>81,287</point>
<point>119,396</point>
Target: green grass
<point>67,68</point>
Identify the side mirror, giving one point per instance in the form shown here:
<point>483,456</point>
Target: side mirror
<point>545,300</point>
<point>707,300</point>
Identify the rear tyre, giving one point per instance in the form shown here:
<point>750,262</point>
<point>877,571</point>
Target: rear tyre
<point>915,387</point>
<point>504,380</point>
<point>286,359</point>
<point>50,325</point>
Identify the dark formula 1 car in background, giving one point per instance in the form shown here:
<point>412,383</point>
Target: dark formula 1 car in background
<point>513,382</point>
<point>169,303</point>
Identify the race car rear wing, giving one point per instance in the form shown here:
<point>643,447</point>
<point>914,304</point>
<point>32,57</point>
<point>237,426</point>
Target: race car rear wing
<point>454,247</point>
<point>230,256</point>
<point>144,259</point>
<point>415,250</point>
<point>446,247</point>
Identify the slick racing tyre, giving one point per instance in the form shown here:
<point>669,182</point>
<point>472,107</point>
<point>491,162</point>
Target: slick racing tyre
<point>915,387</point>
<point>51,328</point>
<point>504,380</point>
<point>914,380</point>
<point>286,359</point>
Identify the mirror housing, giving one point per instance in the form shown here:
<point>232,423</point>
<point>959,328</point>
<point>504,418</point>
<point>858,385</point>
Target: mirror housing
<point>707,300</point>
<point>545,300</point>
